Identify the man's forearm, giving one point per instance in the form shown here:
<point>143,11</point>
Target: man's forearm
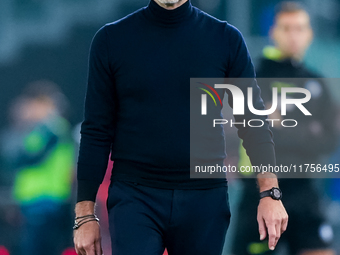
<point>267,181</point>
<point>84,208</point>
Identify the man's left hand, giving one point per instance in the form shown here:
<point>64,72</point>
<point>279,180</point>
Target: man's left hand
<point>272,219</point>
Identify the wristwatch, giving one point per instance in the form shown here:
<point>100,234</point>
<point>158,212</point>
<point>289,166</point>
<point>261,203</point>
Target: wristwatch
<point>274,193</point>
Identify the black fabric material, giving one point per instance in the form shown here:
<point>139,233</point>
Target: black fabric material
<point>145,220</point>
<point>138,96</point>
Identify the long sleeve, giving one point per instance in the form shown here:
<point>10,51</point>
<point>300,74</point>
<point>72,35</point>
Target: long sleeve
<point>257,141</point>
<point>97,127</point>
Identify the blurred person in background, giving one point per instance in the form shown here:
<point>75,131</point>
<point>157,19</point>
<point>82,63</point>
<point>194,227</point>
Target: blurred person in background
<point>38,148</point>
<point>313,137</point>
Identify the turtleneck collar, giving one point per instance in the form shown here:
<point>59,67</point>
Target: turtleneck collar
<point>168,17</point>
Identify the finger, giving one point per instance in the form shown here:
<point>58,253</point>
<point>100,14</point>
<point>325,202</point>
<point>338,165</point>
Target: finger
<point>90,250</point>
<point>80,251</point>
<point>99,250</point>
<point>262,228</point>
<point>284,224</point>
<point>278,232</point>
<point>271,236</point>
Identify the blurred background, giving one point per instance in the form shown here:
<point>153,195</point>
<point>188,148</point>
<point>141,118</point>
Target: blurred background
<point>44,47</point>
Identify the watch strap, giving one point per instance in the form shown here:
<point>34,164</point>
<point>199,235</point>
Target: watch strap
<point>266,193</point>
<point>271,193</point>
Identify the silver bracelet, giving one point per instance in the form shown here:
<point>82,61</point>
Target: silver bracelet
<point>84,219</point>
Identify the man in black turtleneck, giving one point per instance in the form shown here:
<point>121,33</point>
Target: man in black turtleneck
<point>137,108</point>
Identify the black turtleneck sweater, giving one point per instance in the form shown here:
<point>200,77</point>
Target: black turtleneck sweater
<point>138,92</point>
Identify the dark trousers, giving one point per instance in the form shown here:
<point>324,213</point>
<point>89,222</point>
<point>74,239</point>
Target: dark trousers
<point>145,220</point>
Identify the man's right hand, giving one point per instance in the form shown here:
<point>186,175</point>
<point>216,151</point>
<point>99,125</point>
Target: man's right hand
<point>87,238</point>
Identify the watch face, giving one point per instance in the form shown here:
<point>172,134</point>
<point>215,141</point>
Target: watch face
<point>276,193</point>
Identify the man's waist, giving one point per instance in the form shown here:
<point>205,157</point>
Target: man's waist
<point>161,177</point>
